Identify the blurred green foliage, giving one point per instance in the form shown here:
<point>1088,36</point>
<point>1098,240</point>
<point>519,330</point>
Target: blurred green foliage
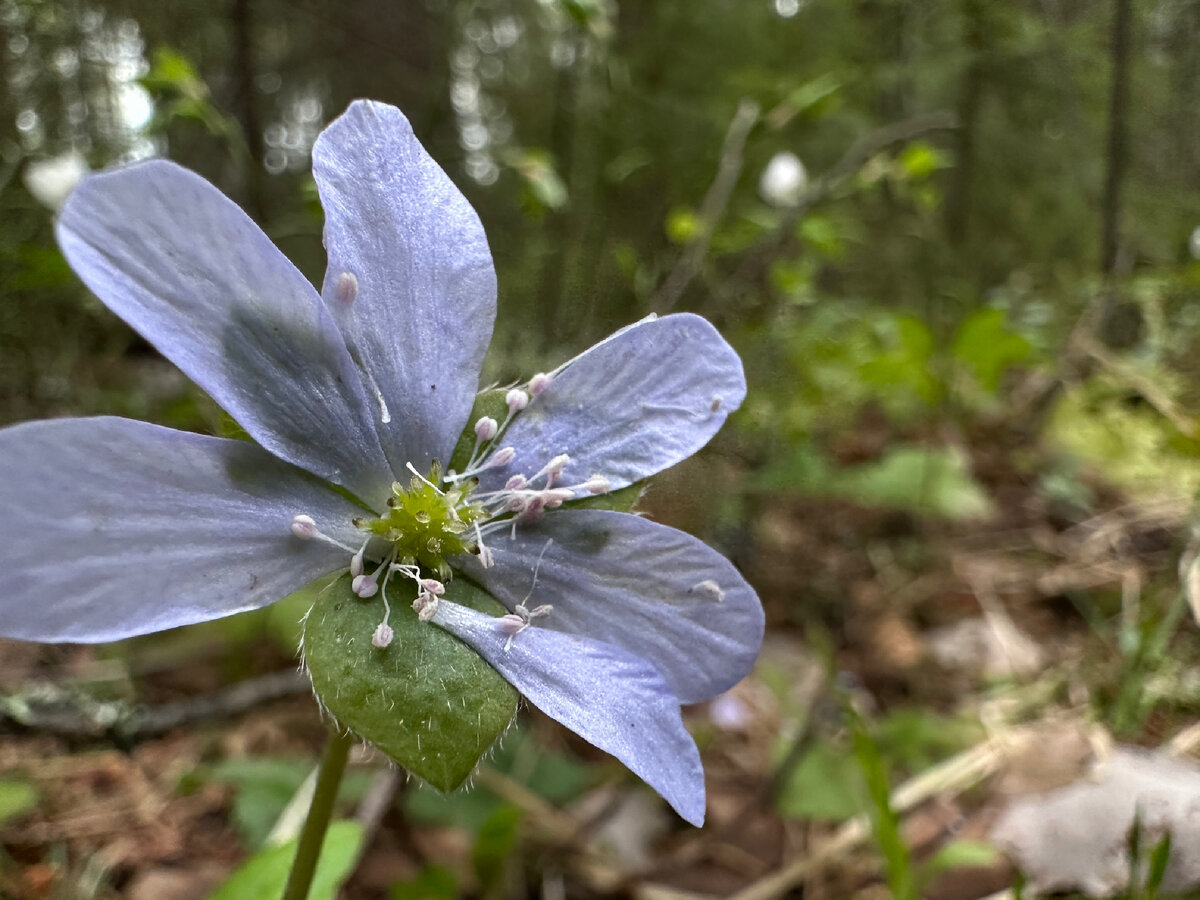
<point>264,875</point>
<point>940,244</point>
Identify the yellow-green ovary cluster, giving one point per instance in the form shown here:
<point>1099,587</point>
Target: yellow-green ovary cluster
<point>426,525</point>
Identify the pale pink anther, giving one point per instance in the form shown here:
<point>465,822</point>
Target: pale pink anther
<point>425,606</point>
<point>304,527</point>
<point>539,383</point>
<point>597,484</point>
<point>365,585</point>
<point>511,624</point>
<point>515,483</point>
<point>517,400</point>
<point>383,635</point>
<point>486,428</point>
<point>554,468</point>
<point>532,509</point>
<point>556,497</point>
<point>501,457</point>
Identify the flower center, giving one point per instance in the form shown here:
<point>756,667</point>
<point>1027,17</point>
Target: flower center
<point>426,525</point>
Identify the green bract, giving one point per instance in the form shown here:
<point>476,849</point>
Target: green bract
<point>428,700</point>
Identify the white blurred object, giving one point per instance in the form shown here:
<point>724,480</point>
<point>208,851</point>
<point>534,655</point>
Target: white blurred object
<point>1077,837</point>
<point>1194,244</point>
<point>729,712</point>
<point>784,180</point>
<point>52,180</point>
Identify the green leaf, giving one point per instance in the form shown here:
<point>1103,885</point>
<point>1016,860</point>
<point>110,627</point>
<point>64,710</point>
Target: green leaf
<point>172,71</point>
<point>825,785</point>
<point>822,234</point>
<point>544,187</point>
<point>16,799</point>
<point>928,480</point>
<point>986,347</point>
<point>1159,857</point>
<point>264,875</point>
<point>265,785</point>
<point>812,95</point>
<point>957,855</point>
<point>428,700</point>
<point>920,160</point>
<point>433,883</point>
<point>885,823</point>
<point>464,810</point>
<point>494,845</point>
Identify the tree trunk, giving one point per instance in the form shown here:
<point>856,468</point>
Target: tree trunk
<point>1118,138</point>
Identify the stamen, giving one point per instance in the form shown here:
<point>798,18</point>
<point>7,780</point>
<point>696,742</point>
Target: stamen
<point>539,382</point>
<point>515,483</point>
<point>356,561</point>
<point>501,457</point>
<point>365,586</point>
<point>304,527</point>
<point>383,636</point>
<point>485,554</point>
<point>597,484</point>
<point>517,400</point>
<point>556,497</point>
<point>715,406</point>
<point>531,513</point>
<point>425,606</point>
<point>486,428</point>
<point>553,469</point>
<point>519,619</point>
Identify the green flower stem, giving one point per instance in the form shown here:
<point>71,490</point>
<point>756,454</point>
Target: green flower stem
<point>312,836</point>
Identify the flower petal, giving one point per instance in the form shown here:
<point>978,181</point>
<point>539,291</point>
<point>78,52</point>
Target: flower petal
<point>419,309</point>
<point>113,528</point>
<point>649,589</point>
<point>642,400</point>
<point>182,264</point>
<point>611,698</point>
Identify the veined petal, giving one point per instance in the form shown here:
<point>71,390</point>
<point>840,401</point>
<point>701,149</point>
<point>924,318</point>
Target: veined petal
<point>611,698</point>
<point>636,403</point>
<point>652,590</point>
<point>183,265</point>
<point>113,528</point>
<point>410,278</point>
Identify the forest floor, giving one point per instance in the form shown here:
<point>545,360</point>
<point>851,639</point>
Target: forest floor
<point>960,665</point>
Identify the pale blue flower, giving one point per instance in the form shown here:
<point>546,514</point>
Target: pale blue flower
<point>111,528</point>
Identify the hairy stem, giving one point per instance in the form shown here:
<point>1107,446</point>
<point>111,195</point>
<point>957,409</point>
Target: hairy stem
<point>312,837</point>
